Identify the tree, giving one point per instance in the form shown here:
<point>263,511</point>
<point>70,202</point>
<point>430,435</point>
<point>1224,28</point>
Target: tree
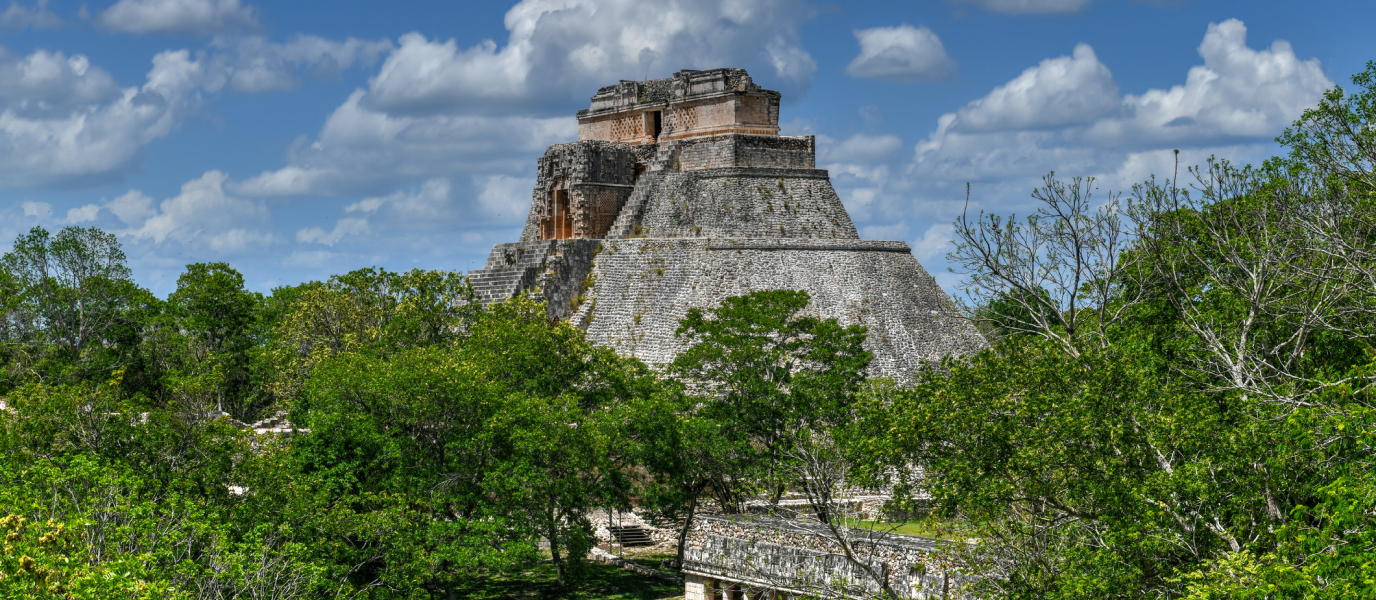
<point>73,289</point>
<point>219,316</point>
<point>1059,275</point>
<point>760,372</point>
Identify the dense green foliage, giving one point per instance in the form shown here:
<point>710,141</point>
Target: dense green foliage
<point>1178,400</point>
<point>442,447</point>
<point>1176,403</point>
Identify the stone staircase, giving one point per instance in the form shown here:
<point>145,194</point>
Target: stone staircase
<point>510,269</point>
<point>630,536</point>
<point>665,155</point>
<point>554,269</point>
<point>629,218</point>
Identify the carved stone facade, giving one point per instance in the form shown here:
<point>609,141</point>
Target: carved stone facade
<point>579,190</point>
<point>735,558</point>
<point>689,104</point>
<point>631,226</point>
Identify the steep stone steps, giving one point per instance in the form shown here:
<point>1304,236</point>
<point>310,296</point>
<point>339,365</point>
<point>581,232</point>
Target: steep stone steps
<point>629,218</point>
<point>631,536</point>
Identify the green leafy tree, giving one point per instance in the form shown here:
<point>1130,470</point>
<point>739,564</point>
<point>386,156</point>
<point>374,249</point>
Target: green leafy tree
<point>761,371</point>
<point>69,293</point>
<point>220,319</point>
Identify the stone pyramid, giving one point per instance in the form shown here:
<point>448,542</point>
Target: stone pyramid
<point>681,192</point>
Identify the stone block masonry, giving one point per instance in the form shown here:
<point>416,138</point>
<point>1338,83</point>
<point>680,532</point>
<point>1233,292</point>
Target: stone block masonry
<point>776,558</point>
<point>644,286</point>
<point>680,193</point>
<point>744,202</point>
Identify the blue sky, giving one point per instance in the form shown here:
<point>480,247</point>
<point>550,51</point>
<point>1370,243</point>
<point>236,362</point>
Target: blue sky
<point>297,140</point>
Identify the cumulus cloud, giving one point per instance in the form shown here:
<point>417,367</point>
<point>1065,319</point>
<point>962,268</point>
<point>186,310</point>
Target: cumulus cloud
<point>200,17</point>
<point>64,120</point>
<point>18,16</point>
<point>361,148</point>
<point>904,53</point>
<point>1069,90</point>
<point>427,206</point>
<point>51,82</point>
<point>504,197</point>
<point>253,64</point>
<point>1023,7</point>
<point>342,228</point>
<point>1066,113</point>
<point>560,50</point>
<point>858,148</point>
<point>435,109</point>
<point>202,216</point>
<point>935,242</point>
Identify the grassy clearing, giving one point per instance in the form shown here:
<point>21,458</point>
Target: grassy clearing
<point>931,529</point>
<point>600,582</point>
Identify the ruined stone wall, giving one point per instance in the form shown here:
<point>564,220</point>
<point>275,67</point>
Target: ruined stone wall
<point>642,287</point>
<point>746,203</point>
<point>596,207</point>
<point>802,558</point>
<point>739,150</point>
<point>596,175</point>
<point>691,104</point>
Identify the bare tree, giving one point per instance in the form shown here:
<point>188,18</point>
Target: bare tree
<point>1256,263</point>
<point>1058,275</point>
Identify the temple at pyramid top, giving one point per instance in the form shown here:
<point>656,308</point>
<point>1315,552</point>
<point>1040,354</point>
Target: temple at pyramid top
<point>680,192</point>
<point>690,104</point>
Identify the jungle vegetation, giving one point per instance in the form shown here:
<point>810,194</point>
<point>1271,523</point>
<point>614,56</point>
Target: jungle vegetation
<point>1177,402</point>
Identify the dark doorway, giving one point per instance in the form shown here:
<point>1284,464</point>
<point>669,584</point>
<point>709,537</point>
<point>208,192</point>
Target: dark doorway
<point>560,225</point>
<point>659,122</point>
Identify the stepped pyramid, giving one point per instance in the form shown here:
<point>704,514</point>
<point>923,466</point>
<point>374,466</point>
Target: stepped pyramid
<point>681,192</point>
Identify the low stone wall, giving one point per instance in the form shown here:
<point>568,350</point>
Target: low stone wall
<point>804,559</point>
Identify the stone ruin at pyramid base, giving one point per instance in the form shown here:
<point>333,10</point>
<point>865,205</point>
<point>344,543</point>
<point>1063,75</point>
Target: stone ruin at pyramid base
<point>680,193</point>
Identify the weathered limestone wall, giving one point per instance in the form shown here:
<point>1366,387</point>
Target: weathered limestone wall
<point>803,559</point>
<point>643,286</point>
<point>746,203</point>
<point>739,150</point>
<point>596,177</point>
<point>689,104</point>
<point>554,270</point>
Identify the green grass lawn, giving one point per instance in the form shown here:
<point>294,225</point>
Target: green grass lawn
<point>938,530</point>
<point>600,582</point>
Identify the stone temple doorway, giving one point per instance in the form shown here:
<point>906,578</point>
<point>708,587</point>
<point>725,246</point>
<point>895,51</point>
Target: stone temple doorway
<point>560,224</point>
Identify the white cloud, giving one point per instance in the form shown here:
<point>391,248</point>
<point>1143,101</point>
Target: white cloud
<point>344,227</point>
<point>362,148</point>
<point>934,243</point>
<point>438,110</point>
<point>52,82</point>
<point>1068,90</point>
<point>1066,115</point>
<point>36,209</point>
<point>18,16</point>
<point>428,203</point>
<point>256,65</point>
<point>858,148</point>
<point>504,197</point>
<point>82,214</point>
<point>904,53</point>
<point>202,17</point>
<point>65,121</point>
<point>560,50</point>
<point>1021,7</point>
<point>202,216</point>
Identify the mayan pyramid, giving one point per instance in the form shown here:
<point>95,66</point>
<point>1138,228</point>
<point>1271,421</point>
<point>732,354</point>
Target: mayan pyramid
<point>680,192</point>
